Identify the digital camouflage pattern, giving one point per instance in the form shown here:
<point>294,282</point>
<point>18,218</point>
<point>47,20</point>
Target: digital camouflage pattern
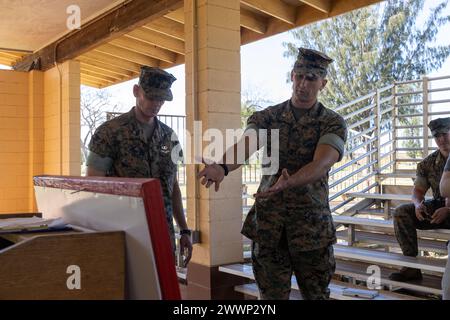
<point>439,125</point>
<point>273,270</point>
<point>123,140</point>
<point>428,175</point>
<point>429,172</point>
<point>312,61</point>
<point>156,83</point>
<point>303,212</point>
<point>406,225</point>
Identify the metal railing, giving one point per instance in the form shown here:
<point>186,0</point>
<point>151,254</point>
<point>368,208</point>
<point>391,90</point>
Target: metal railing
<point>388,134</point>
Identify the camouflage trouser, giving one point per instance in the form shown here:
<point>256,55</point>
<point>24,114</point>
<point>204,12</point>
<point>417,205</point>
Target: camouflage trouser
<point>273,269</point>
<point>406,223</point>
<point>446,278</point>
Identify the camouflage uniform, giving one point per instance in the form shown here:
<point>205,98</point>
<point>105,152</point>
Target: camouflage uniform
<point>123,140</point>
<point>293,230</point>
<point>428,175</point>
<point>134,154</point>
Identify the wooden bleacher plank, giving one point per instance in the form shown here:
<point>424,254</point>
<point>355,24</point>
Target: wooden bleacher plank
<point>391,241</point>
<point>251,289</point>
<point>357,270</point>
<point>388,258</point>
<point>347,220</point>
<point>336,287</point>
<point>361,205</point>
<point>389,225</point>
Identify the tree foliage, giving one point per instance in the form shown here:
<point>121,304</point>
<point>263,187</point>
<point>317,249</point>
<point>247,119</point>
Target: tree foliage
<point>375,46</point>
<point>94,106</point>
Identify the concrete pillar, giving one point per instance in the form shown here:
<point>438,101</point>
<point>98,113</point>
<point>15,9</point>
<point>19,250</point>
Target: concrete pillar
<point>213,97</point>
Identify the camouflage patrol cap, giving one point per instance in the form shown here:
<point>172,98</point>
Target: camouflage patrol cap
<point>156,83</point>
<point>439,125</point>
<point>312,61</point>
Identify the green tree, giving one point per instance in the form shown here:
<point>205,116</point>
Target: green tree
<point>375,46</point>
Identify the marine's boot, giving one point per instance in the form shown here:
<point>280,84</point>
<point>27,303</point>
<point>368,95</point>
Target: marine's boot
<point>406,274</point>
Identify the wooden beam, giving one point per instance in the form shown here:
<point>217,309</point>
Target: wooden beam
<point>157,39</point>
<point>321,5</point>
<point>274,26</point>
<point>127,55</point>
<point>249,19</point>
<point>275,8</point>
<point>102,66</point>
<point>8,57</point>
<point>252,21</point>
<point>307,15</point>
<point>95,75</point>
<point>177,15</point>
<point>95,78</point>
<point>5,62</point>
<point>13,55</point>
<point>343,6</point>
<point>165,65</point>
<point>101,72</point>
<point>168,27</point>
<point>107,59</point>
<point>91,83</point>
<point>145,48</point>
<point>130,15</point>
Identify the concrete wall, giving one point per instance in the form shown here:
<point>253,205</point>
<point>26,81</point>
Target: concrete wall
<point>38,134</point>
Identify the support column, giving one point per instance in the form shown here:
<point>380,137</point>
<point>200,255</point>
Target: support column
<point>212,29</point>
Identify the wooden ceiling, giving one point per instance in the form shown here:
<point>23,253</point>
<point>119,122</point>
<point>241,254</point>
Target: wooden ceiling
<point>160,42</point>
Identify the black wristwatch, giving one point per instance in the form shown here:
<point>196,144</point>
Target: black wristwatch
<point>185,231</point>
<point>225,168</point>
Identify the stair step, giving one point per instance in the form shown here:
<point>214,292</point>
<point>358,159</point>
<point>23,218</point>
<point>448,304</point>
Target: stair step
<point>387,226</point>
<point>390,240</point>
<point>358,270</point>
<point>336,287</point>
<point>389,258</point>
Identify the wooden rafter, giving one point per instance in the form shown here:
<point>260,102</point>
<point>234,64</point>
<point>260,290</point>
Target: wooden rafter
<point>5,62</point>
<point>252,21</point>
<point>177,15</point>
<point>168,27</point>
<point>95,79</point>
<point>275,8</point>
<point>102,66</point>
<point>118,62</point>
<point>321,5</point>
<point>93,83</point>
<point>145,48</point>
<point>157,39</point>
<point>128,55</point>
<point>89,73</point>
<point>112,25</point>
<point>99,71</point>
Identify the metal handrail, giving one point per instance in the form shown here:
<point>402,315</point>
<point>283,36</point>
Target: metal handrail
<point>340,193</point>
<point>350,115</point>
<point>348,164</point>
<point>412,101</point>
<point>335,183</point>
<point>356,101</point>
<point>361,122</point>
